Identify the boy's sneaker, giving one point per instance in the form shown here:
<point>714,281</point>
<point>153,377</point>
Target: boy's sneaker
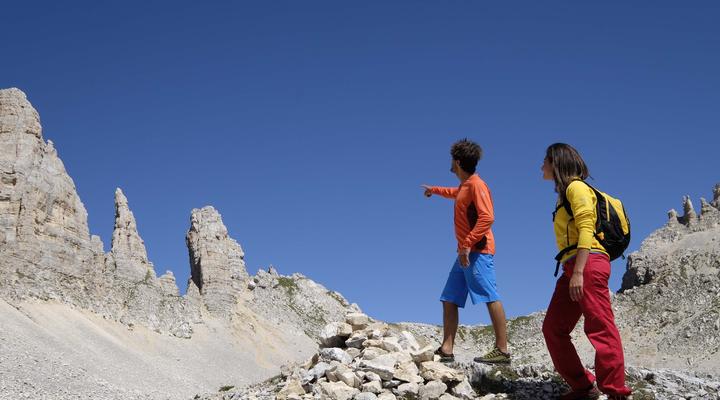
<point>590,393</point>
<point>444,357</point>
<point>495,356</point>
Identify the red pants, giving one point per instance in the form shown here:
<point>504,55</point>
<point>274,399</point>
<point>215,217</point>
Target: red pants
<point>562,316</point>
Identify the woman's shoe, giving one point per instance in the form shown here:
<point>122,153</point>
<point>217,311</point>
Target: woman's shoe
<point>590,393</point>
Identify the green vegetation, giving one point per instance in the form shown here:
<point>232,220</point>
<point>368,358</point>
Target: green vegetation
<point>641,389</point>
<point>481,333</point>
<point>289,284</point>
<point>335,296</point>
<point>226,388</point>
<point>148,277</point>
<point>505,372</point>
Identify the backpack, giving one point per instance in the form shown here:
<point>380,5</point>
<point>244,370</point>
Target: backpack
<point>612,228</point>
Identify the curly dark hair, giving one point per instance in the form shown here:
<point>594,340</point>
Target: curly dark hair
<point>468,153</point>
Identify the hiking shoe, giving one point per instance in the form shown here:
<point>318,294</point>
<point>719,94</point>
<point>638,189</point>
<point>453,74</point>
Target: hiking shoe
<point>495,356</point>
<point>444,357</point>
<point>590,393</point>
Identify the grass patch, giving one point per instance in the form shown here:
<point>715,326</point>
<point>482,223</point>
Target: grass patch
<point>336,296</point>
<point>148,277</point>
<point>289,284</point>
<point>461,332</point>
<point>641,388</point>
<point>226,388</point>
<point>481,333</point>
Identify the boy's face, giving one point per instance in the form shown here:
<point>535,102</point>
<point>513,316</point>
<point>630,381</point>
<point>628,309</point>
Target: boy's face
<point>455,167</point>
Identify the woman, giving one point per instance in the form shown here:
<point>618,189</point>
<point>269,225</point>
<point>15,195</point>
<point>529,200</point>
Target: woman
<point>583,287</point>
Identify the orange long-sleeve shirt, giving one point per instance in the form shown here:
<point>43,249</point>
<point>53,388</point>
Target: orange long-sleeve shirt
<point>474,214</point>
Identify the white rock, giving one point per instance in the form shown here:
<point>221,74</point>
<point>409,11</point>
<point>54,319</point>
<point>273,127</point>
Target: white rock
<point>408,390</point>
<point>448,396</point>
<point>373,343</point>
<point>386,396</point>
<point>422,355</point>
<point>338,390</point>
<point>357,320</point>
<point>354,353</point>
<point>344,330</point>
<point>372,377</point>
<point>372,352</point>
<point>336,354</point>
<point>408,372</point>
<point>316,372</point>
<point>435,371</point>
<point>332,334</point>
<point>464,390</point>
<point>408,341</point>
<point>349,378</point>
<point>292,387</point>
<point>432,390</point>
<point>391,344</point>
<point>372,387</point>
<point>383,366</point>
<point>356,340</point>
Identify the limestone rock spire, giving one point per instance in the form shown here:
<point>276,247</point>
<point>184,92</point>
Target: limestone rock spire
<point>128,249</point>
<point>17,115</point>
<point>217,263</point>
<point>689,212</point>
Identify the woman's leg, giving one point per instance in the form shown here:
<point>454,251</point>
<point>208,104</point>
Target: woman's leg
<point>600,326</point>
<point>560,320</point>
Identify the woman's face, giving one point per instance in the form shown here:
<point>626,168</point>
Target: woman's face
<point>547,169</point>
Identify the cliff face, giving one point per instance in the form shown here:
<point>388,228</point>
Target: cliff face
<point>45,245</point>
<point>670,297</point>
<point>49,260</point>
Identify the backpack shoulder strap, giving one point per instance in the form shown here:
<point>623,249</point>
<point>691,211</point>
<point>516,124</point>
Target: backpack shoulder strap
<point>566,206</point>
<point>560,255</point>
<point>566,203</point>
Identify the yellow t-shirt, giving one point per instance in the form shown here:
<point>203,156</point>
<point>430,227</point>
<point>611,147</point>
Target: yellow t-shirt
<point>581,228</point>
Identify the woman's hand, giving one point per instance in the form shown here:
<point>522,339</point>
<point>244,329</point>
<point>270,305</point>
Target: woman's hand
<point>576,281</point>
<point>576,287</point>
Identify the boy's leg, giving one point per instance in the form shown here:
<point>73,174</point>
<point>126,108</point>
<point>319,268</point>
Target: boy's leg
<point>450,325</point>
<point>453,296</point>
<point>480,276</point>
<point>497,316</point>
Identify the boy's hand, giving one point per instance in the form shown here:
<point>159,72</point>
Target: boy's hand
<point>464,257</point>
<point>428,192</point>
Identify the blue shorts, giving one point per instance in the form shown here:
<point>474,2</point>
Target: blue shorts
<point>478,279</point>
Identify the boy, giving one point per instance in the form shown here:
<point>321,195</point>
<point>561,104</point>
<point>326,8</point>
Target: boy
<point>473,272</point>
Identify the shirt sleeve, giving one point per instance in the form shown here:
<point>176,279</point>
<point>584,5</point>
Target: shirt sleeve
<point>582,202</point>
<point>486,215</point>
<point>447,192</point>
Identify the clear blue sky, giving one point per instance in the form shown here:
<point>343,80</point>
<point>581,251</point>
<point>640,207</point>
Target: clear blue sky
<point>311,125</point>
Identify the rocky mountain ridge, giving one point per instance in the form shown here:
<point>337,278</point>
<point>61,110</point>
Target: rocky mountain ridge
<point>49,260</point>
<point>79,322</point>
